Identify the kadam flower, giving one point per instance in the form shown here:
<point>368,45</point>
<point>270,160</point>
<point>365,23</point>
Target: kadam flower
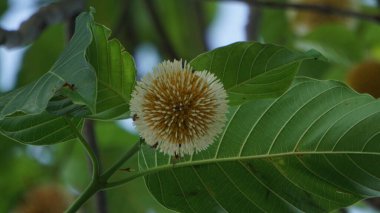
<point>178,110</point>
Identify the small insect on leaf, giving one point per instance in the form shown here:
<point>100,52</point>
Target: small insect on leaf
<point>128,169</point>
<point>69,86</point>
<point>154,146</point>
<point>135,117</point>
<point>176,156</point>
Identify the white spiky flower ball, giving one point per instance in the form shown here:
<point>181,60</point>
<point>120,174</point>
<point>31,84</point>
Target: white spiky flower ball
<point>178,110</point>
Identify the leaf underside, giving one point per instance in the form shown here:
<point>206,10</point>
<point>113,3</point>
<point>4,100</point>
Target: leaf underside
<point>41,129</point>
<point>40,110</point>
<point>314,149</point>
<point>115,72</point>
<point>70,69</point>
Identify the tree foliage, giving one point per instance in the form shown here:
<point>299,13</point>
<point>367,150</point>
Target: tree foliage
<point>290,144</point>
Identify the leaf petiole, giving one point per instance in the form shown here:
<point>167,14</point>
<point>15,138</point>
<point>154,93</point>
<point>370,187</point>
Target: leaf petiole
<point>135,148</point>
<point>98,182</point>
<point>90,152</point>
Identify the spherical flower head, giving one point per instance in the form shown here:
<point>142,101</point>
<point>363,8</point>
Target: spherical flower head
<point>178,110</point>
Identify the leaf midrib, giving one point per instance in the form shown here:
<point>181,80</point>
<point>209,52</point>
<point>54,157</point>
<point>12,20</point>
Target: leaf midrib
<point>244,158</point>
<point>113,90</point>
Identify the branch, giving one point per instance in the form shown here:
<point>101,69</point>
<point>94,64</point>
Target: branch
<point>125,29</point>
<point>309,7</point>
<point>166,42</point>
<point>30,29</point>
<point>89,132</point>
<point>253,26</point>
<point>201,21</point>
<point>373,202</point>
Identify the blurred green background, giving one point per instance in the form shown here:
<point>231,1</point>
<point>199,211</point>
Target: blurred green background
<point>154,30</point>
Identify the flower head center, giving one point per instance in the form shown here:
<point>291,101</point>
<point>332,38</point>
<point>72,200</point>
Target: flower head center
<point>180,106</point>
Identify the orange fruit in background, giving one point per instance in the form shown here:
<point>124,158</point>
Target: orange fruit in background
<point>47,198</point>
<point>365,78</point>
<point>304,21</point>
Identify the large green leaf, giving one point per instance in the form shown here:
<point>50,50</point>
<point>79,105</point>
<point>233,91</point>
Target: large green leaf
<point>314,149</point>
<point>41,129</point>
<point>116,75</point>
<point>251,70</point>
<point>71,68</point>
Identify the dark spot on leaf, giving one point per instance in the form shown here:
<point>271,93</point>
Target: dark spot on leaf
<point>251,168</point>
<point>267,194</point>
<point>191,193</point>
<point>196,166</point>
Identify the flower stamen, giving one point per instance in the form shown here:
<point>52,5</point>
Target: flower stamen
<point>181,109</point>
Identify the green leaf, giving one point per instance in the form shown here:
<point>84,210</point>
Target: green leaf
<point>41,129</point>
<point>250,70</point>
<point>71,68</point>
<point>314,149</point>
<point>116,73</point>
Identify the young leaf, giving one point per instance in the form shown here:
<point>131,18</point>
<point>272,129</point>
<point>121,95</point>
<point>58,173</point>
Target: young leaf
<point>71,69</point>
<point>116,73</point>
<point>311,150</point>
<point>250,70</point>
<point>41,129</point>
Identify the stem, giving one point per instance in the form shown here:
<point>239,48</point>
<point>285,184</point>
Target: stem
<point>309,7</point>
<point>93,187</point>
<point>106,175</point>
<point>46,16</point>
<point>125,180</point>
<point>90,152</point>
<point>89,133</point>
<point>98,182</point>
<point>253,26</point>
<point>86,194</point>
<point>201,21</point>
